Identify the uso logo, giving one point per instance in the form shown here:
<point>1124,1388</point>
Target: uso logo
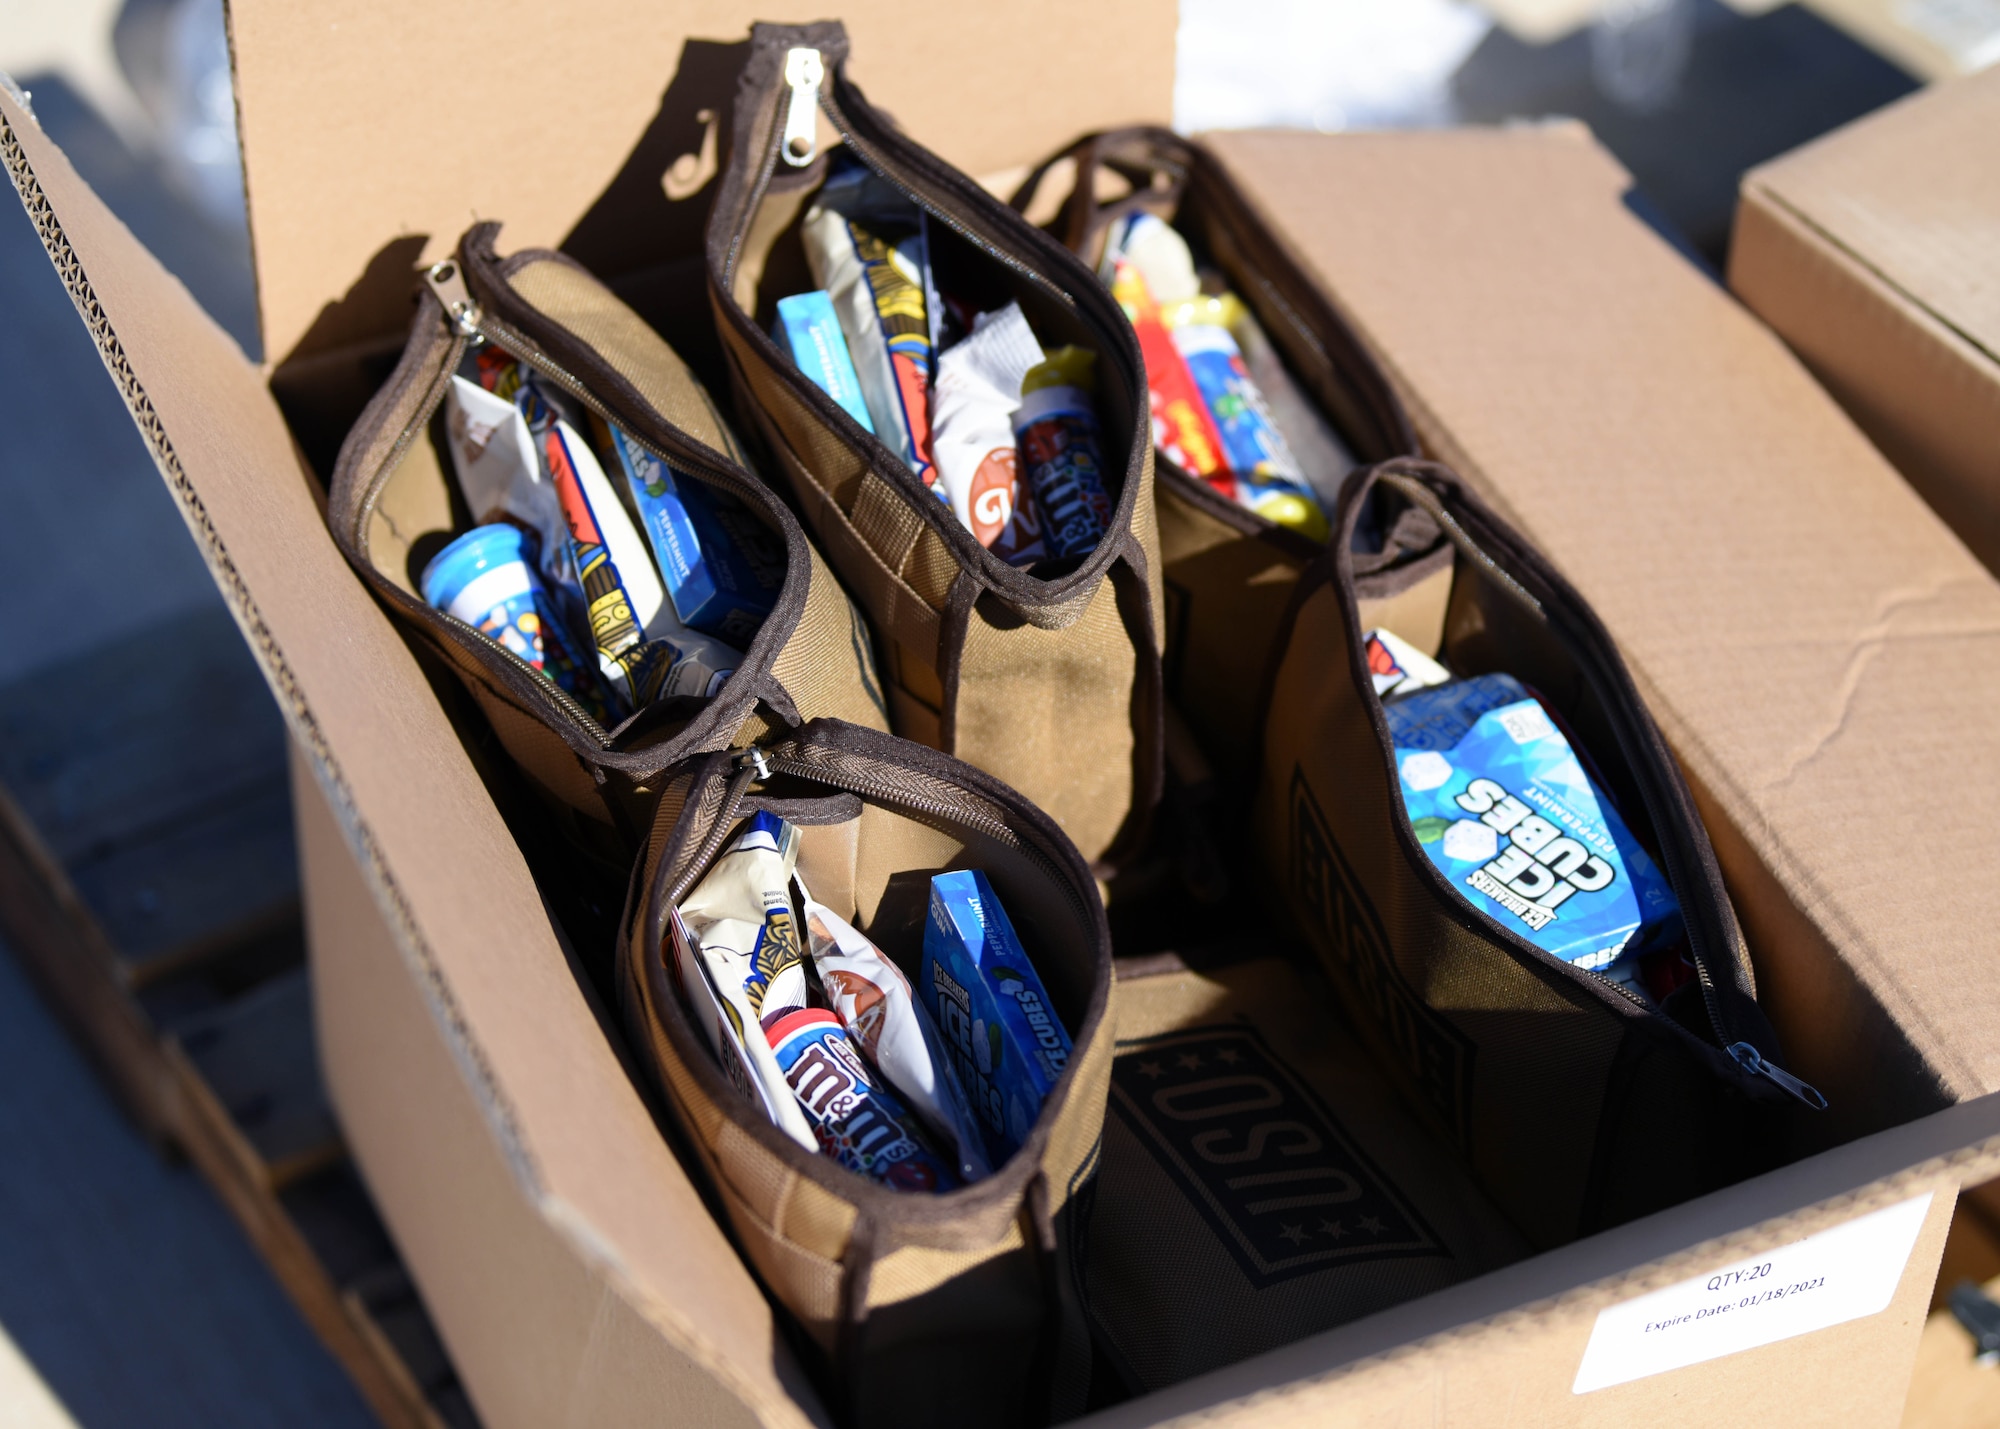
<point>1258,1157</point>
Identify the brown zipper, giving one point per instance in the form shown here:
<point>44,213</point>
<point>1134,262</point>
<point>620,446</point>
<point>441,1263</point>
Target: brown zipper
<point>471,324</point>
<point>930,192</point>
<point>1678,856</point>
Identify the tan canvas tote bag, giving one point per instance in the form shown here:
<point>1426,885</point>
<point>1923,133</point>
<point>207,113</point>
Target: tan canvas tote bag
<point>1046,676</point>
<point>394,502</point>
<point>959,1308</point>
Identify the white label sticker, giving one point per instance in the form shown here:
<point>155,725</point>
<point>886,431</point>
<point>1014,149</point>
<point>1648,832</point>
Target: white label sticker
<point>1826,1279</point>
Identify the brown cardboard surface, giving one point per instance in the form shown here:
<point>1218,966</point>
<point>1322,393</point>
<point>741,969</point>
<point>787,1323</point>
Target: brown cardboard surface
<point>1822,653</point>
<point>480,970</point>
<point>573,1272</point>
<point>1504,1349</point>
<point>469,1235</point>
<point>1872,252</point>
<point>363,124</point>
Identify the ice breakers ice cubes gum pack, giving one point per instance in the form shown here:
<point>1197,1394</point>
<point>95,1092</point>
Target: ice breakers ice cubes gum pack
<point>1503,808</point>
<point>1007,1044</point>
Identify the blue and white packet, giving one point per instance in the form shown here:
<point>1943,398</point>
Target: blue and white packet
<point>1503,808</point>
<point>1006,1043</point>
<point>808,328</point>
<point>721,566</point>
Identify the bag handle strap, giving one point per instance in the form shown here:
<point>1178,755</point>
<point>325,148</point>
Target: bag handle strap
<point>1153,161</point>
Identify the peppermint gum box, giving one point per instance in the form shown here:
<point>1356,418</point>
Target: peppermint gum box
<point>977,982</point>
<point>1503,808</point>
<point>721,567</point>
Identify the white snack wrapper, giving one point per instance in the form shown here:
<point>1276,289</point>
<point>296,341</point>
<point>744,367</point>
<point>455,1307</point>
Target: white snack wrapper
<point>1150,244</point>
<point>978,389</point>
<point>500,473</point>
<point>740,1045</point>
<point>746,938</point>
<point>1400,667</point>
<point>873,1000</point>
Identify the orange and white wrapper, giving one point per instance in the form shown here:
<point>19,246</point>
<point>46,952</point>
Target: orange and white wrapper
<point>972,406</point>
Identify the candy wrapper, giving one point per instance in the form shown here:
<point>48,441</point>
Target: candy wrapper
<point>978,390</point>
<point>883,1019</point>
<point>723,568</point>
<point>1318,449</point>
<point>856,1120</point>
<point>741,917</point>
<point>865,242</point>
<point>1055,429</point>
<point>1266,475</point>
<point>1398,667</point>
<point>1252,446</point>
<point>731,1027</point>
<point>808,329</point>
<point>1007,1045</point>
<point>1182,429</point>
<point>1503,808</point>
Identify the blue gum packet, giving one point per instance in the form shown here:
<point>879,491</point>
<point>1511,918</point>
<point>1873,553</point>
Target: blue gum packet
<point>1006,1043</point>
<point>809,330</point>
<point>1504,809</point>
<point>721,566</point>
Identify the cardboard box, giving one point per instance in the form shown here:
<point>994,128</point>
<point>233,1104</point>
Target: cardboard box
<point>570,1266</point>
<point>1875,252</point>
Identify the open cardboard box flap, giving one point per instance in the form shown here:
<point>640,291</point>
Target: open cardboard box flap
<point>1870,250</point>
<point>572,1270</point>
<point>366,122</point>
<point>526,1054</point>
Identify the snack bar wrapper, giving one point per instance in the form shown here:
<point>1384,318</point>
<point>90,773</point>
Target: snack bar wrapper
<point>620,589</point>
<point>732,1031</point>
<point>1318,449</point>
<point>857,1121</point>
<point>978,390</point>
<point>741,917</point>
<point>1055,430</point>
<point>1147,266</point>
<point>1252,445</point>
<point>809,331</point>
<point>884,1020</point>
<point>723,568</point>
<point>866,244</point>
<point>1398,667</point>
<point>1006,1043</point>
<point>1267,476</point>
<point>1503,808</point>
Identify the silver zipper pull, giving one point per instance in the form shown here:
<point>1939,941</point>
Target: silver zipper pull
<point>1754,1062</point>
<point>448,283</point>
<point>803,72</point>
<point>751,757</point>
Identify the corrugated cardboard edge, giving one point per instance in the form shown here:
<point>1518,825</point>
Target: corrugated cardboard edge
<point>1256,1389</point>
<point>271,659</point>
<point>499,1114</point>
<point>1924,389</point>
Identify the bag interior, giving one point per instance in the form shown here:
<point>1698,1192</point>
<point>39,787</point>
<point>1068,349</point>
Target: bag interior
<point>771,264</point>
